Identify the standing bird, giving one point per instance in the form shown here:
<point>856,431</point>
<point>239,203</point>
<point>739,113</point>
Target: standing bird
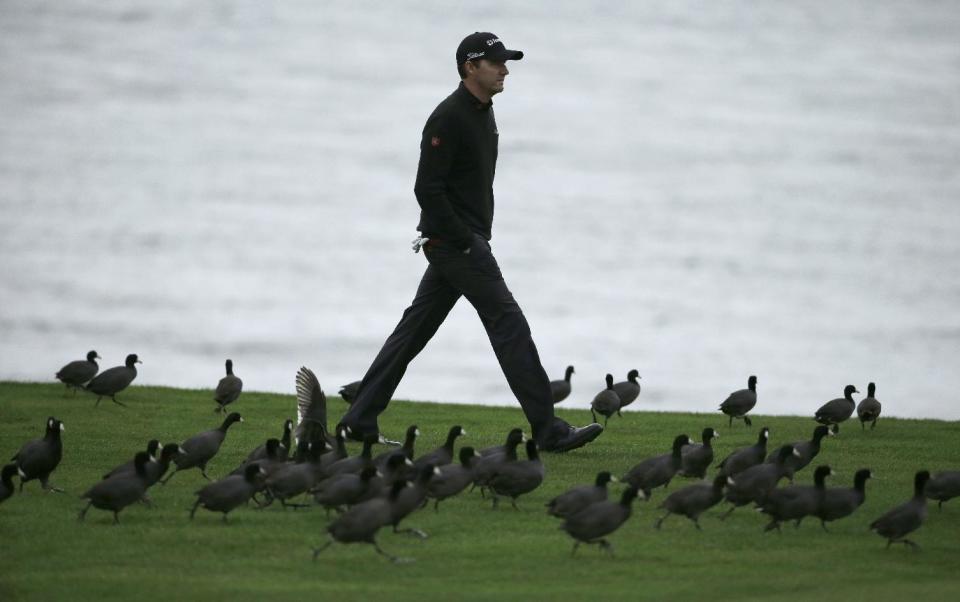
<point>518,477</point>
<point>693,500</point>
<point>658,470</point>
<point>40,457</point>
<point>697,457</point>
<point>361,523</point>
<point>411,498</point>
<point>795,502</point>
<point>943,487</point>
<point>906,518</point>
<point>755,483</point>
<point>120,490</point>
<point>606,402</point>
<point>201,448</point>
<point>79,372</point>
<point>596,521</point>
<point>406,450</point>
<point>576,499</point>
<point>745,457</point>
<point>738,403</point>
<point>110,382</point>
<point>229,492</point>
<point>627,390</point>
<point>453,478</point>
<point>561,388</point>
<point>344,489</point>
<point>837,410</point>
<point>806,451</point>
<point>839,502</point>
<point>348,392</point>
<point>868,410</point>
<point>491,457</point>
<point>443,454</point>
<point>228,389</point>
<point>6,481</point>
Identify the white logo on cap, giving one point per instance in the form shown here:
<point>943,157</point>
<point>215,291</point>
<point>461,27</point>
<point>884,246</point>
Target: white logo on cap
<point>493,41</point>
<point>474,55</point>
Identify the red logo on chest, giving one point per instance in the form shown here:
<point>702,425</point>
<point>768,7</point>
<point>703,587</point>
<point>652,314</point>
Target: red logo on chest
<point>435,141</point>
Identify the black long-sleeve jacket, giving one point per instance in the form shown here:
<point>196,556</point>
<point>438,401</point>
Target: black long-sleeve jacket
<point>458,160</point>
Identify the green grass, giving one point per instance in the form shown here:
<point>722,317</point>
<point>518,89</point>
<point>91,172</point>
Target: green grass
<point>473,553</point>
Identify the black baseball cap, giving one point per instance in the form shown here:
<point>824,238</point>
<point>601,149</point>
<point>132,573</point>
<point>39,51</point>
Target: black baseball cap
<point>485,45</point>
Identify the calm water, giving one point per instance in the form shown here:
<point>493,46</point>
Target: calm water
<point>701,191</point>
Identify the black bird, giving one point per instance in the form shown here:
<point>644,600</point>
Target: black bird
<point>560,389</point>
<point>518,477</point>
<point>806,451</point>
<point>156,470</point>
<point>201,448</point>
<point>906,518</point>
<point>693,500</point>
<point>339,450</point>
<point>738,403</point>
<point>152,446</point>
<point>868,410</point>
<point>596,521</point>
<point>943,487</point>
<point>361,523</point>
<point>345,489</point>
<point>288,481</point>
<point>119,491</point>
<point>795,502</point>
<point>697,457</point>
<point>406,450</point>
<point>40,457</point>
<point>453,478</point>
<point>745,457</point>
<point>354,463</point>
<point>228,389</point>
<point>229,492</point>
<point>755,483</point>
<point>79,372</point>
<point>658,470</point>
<point>839,502</point>
<point>110,382</point>
<point>627,390</point>
<point>443,454</point>
<point>837,410</point>
<point>606,402</point>
<point>271,461</point>
<point>260,453</point>
<point>6,481</point>
<point>349,391</point>
<point>396,469</point>
<point>411,498</point>
<point>311,408</point>
<point>491,457</point>
<point>576,499</point>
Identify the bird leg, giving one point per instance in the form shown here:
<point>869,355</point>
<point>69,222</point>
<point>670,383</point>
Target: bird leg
<point>203,471</point>
<point>747,421</point>
<point>606,546</point>
<point>696,521</point>
<point>576,544</point>
<point>592,413</point>
<point>660,520</point>
<point>194,509</point>
<point>513,502</point>
<point>393,559</point>
<point>436,505</point>
<point>316,551</point>
<point>496,500</point>
<point>114,399</point>
<point>796,525</point>
<point>224,518</point>
<point>728,513</point>
<point>99,397</point>
<point>83,513</point>
<point>414,532</point>
<point>116,517</point>
<point>823,524</point>
<point>169,476</point>
<point>774,524</point>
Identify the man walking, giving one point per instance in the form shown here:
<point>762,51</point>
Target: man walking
<point>454,187</point>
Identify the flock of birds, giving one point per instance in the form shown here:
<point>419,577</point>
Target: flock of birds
<point>372,492</point>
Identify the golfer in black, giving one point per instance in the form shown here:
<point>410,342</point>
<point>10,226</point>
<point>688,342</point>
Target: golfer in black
<point>458,158</point>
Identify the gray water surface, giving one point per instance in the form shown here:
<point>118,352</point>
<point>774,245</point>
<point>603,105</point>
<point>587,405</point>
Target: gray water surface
<point>701,191</point>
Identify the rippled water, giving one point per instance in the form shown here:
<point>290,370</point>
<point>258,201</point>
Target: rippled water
<point>701,191</point>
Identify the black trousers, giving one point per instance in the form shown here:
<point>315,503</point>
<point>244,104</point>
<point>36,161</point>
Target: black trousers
<point>476,276</point>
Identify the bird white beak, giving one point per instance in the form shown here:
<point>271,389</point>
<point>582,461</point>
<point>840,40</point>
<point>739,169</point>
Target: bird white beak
<point>62,428</point>
<point>416,433</point>
<point>463,432</point>
<point>436,471</point>
<point>407,462</point>
<point>180,450</point>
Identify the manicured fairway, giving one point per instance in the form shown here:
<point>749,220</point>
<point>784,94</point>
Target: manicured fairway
<point>473,553</point>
